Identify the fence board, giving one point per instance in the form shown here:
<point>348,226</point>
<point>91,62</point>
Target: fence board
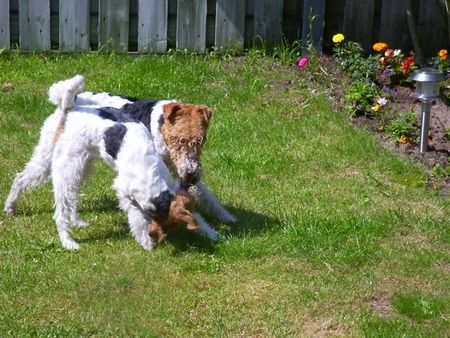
<point>313,24</point>
<point>191,25</point>
<point>113,26</point>
<point>4,24</point>
<point>393,24</point>
<point>358,21</point>
<point>73,25</point>
<point>268,19</point>
<point>152,26</point>
<point>230,24</point>
<point>431,27</point>
<point>34,25</point>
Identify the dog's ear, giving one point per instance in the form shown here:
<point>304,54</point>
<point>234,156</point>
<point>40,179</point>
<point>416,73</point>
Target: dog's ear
<point>207,113</point>
<point>170,111</point>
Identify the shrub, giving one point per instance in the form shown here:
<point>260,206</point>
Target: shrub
<point>361,94</point>
<point>350,56</point>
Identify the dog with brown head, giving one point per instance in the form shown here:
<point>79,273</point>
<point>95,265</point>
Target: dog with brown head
<point>180,212</point>
<point>184,133</point>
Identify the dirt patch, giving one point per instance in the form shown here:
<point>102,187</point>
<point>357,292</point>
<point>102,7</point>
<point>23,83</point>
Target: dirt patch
<point>381,305</point>
<point>327,328</point>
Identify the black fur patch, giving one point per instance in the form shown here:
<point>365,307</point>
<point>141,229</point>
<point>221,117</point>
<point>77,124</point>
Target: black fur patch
<point>162,205</point>
<point>113,139</point>
<point>140,110</point>
<point>115,114</point>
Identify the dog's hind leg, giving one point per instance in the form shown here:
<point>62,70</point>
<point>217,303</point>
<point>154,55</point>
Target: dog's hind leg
<point>36,172</point>
<point>74,217</point>
<point>210,204</point>
<point>67,178</point>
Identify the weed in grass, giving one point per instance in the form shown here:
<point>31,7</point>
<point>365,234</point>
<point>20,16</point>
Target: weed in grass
<point>419,307</point>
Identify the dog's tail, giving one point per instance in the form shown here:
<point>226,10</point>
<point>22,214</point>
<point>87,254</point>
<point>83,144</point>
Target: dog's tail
<point>63,94</point>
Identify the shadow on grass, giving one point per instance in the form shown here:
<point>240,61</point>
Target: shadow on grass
<point>248,223</point>
<point>183,240</point>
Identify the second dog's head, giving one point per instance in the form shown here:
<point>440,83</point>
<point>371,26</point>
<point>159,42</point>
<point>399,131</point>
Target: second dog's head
<point>184,132</point>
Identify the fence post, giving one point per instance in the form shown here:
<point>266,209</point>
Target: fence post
<point>393,25</point>
<point>432,26</point>
<point>358,21</point>
<point>152,26</point>
<point>313,25</point>
<point>73,25</point>
<point>113,24</point>
<point>34,25</point>
<point>268,20</point>
<point>230,24</point>
<point>191,25</point>
<point>4,25</point>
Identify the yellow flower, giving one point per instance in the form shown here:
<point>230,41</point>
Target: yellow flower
<point>380,46</point>
<point>443,54</point>
<point>376,107</point>
<point>337,38</point>
<point>404,139</point>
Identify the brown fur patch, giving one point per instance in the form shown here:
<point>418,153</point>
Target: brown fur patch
<point>59,129</point>
<point>184,132</point>
<point>180,212</point>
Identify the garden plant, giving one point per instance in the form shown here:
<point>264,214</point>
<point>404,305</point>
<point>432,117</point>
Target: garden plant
<point>379,94</point>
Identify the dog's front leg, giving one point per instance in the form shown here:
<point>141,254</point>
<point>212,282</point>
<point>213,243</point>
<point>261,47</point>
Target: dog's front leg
<point>210,204</point>
<point>138,223</point>
<point>204,228</point>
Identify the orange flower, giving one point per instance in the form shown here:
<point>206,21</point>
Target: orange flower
<point>380,47</point>
<point>443,54</point>
<point>404,139</point>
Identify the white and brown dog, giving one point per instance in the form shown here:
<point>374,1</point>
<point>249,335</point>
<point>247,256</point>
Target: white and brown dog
<point>178,131</point>
<point>76,134</point>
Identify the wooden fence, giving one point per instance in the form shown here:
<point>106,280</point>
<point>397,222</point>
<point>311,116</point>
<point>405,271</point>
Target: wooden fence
<point>195,25</point>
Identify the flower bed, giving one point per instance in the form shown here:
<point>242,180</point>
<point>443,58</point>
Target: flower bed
<point>376,90</point>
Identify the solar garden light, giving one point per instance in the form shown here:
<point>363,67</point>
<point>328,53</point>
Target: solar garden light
<point>427,89</point>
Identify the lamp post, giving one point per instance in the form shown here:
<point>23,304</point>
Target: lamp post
<point>427,89</point>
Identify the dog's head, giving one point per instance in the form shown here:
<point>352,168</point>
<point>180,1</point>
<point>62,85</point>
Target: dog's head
<point>180,212</point>
<point>184,132</point>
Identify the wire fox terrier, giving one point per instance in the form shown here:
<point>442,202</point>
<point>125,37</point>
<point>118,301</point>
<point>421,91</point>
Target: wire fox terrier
<point>76,134</point>
<point>178,131</point>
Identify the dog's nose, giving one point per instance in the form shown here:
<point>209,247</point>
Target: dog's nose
<point>192,177</point>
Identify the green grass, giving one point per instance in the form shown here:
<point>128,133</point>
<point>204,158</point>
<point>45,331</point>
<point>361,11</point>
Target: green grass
<point>336,235</point>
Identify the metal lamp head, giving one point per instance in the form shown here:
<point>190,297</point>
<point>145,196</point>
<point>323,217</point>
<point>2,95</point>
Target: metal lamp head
<point>427,83</point>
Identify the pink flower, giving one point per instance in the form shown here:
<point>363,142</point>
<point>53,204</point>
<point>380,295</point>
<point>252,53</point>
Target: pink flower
<point>302,62</point>
<point>382,101</point>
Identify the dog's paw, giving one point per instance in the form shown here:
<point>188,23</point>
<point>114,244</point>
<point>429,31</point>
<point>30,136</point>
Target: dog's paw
<point>9,210</point>
<point>70,245</point>
<point>212,234</point>
<point>146,242</point>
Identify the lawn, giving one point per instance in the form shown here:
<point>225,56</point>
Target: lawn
<point>336,234</point>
